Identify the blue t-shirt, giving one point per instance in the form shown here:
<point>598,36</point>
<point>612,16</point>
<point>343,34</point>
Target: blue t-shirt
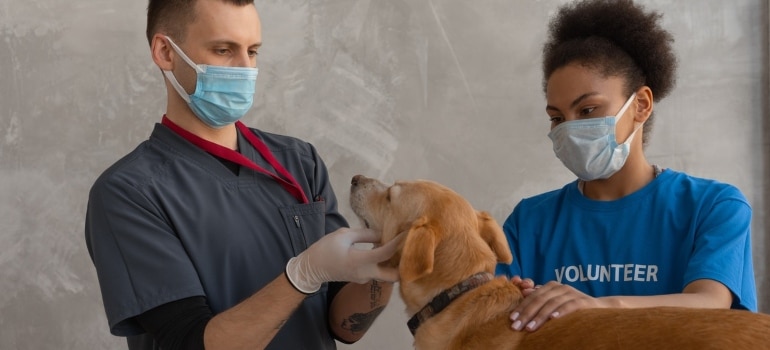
<point>673,231</point>
<point>170,221</point>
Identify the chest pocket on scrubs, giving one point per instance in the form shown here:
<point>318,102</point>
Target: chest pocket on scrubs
<point>305,224</point>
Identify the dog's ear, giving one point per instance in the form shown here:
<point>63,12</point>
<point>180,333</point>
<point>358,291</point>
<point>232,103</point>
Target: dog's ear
<point>492,233</point>
<point>418,252</point>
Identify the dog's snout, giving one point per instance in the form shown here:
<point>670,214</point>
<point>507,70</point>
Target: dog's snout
<point>356,180</point>
<point>360,180</point>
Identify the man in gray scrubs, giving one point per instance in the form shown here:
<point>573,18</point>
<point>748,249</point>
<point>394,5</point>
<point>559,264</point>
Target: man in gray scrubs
<point>214,235</point>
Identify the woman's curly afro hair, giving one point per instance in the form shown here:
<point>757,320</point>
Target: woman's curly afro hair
<point>616,37</point>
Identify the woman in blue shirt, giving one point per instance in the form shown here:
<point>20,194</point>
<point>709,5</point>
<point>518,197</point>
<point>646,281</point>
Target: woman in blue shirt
<point>626,233</point>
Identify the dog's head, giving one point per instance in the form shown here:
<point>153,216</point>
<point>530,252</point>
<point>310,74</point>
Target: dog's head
<point>446,239</point>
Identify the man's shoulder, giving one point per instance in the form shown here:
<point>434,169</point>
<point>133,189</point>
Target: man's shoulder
<point>135,168</point>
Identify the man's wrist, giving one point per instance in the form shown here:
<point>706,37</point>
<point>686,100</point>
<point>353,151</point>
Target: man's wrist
<point>293,274</point>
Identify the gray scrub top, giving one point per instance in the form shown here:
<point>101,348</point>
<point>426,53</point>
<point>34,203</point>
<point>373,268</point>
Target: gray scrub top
<point>169,221</point>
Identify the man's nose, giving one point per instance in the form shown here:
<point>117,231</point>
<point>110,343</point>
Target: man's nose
<point>244,60</point>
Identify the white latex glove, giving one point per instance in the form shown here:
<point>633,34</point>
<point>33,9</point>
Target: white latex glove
<point>334,258</point>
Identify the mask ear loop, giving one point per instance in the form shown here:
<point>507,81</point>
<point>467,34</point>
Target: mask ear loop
<point>181,53</point>
<point>624,108</point>
<point>170,75</point>
<point>621,113</point>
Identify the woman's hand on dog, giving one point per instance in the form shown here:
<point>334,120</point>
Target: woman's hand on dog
<point>526,285</point>
<point>552,300</point>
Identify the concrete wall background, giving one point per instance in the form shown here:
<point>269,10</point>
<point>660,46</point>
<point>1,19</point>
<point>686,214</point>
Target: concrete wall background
<point>446,90</point>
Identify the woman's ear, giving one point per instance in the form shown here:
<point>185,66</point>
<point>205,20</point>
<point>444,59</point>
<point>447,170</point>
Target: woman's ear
<point>644,104</point>
<point>162,52</point>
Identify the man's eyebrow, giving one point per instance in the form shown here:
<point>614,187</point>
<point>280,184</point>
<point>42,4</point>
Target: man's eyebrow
<point>233,43</point>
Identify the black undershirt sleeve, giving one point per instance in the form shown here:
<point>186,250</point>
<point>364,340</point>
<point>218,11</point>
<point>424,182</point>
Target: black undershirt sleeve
<point>178,324</point>
<point>332,290</point>
<point>331,293</point>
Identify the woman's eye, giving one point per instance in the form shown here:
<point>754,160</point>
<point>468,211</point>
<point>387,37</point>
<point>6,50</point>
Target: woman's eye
<point>253,53</point>
<point>587,110</point>
<point>221,51</point>
<point>556,119</point>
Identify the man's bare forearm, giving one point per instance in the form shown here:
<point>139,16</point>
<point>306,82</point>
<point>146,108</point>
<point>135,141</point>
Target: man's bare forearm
<point>355,308</point>
<point>254,322</point>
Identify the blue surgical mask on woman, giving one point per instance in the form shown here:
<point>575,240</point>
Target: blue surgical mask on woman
<point>222,95</point>
<point>588,147</point>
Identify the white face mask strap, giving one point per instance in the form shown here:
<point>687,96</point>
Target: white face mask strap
<point>637,125</point>
<point>172,79</point>
<point>636,128</point>
<point>625,107</point>
<point>170,75</point>
<point>184,56</point>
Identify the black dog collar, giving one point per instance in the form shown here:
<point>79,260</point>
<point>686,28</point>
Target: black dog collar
<point>442,300</point>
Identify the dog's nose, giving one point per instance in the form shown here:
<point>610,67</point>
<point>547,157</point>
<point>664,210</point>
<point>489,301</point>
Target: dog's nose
<point>356,180</point>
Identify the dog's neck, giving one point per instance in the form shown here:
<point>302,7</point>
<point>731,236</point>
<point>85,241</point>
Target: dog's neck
<point>442,300</point>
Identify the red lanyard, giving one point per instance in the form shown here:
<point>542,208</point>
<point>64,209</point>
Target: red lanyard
<point>285,179</point>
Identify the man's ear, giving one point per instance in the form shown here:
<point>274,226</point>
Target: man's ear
<point>644,104</point>
<point>162,52</point>
<point>418,252</point>
<point>491,232</point>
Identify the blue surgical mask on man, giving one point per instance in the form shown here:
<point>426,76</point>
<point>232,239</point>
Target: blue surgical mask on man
<point>588,147</point>
<point>222,95</point>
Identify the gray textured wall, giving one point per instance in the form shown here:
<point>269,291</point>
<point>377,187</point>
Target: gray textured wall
<point>447,90</point>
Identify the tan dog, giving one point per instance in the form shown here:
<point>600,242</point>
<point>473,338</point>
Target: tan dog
<point>447,242</point>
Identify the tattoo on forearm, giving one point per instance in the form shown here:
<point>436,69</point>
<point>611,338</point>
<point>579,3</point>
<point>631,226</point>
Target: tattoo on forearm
<point>375,295</point>
<point>360,322</point>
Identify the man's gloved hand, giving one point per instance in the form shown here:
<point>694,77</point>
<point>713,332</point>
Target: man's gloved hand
<point>334,258</point>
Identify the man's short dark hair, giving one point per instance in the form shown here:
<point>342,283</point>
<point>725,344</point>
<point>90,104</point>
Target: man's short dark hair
<point>173,16</point>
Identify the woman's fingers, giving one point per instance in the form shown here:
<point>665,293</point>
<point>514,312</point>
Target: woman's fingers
<point>550,301</point>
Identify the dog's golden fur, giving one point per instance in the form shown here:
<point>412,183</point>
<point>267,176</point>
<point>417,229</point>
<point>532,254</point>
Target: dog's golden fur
<point>447,241</point>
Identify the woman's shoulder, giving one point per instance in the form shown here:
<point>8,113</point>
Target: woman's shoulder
<point>546,199</point>
<point>682,184</point>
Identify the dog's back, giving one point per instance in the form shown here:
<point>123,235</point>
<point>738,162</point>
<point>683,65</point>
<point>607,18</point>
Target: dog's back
<point>447,241</point>
<point>628,329</point>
